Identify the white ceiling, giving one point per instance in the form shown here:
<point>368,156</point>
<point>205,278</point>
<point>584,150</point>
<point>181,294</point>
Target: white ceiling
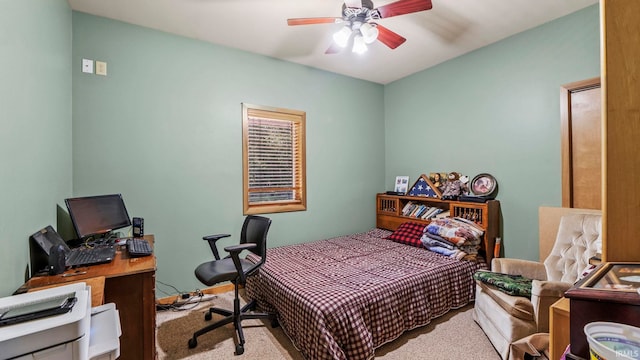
<point>451,28</point>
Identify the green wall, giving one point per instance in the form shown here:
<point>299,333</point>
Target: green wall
<point>35,118</point>
<point>164,128</point>
<point>496,110</point>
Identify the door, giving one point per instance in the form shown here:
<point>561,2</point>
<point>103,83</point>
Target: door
<point>581,117</point>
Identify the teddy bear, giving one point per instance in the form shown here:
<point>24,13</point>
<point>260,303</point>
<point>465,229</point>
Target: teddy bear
<point>454,186</point>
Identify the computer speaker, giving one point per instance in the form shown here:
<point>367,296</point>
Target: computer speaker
<point>138,227</point>
<point>56,260</point>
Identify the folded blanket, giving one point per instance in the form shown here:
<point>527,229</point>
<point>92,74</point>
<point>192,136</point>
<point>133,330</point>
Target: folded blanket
<point>475,228</point>
<point>455,253</point>
<point>516,285</point>
<point>435,240</point>
<point>456,231</point>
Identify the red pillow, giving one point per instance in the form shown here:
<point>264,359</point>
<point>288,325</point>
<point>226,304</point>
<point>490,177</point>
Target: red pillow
<point>408,233</point>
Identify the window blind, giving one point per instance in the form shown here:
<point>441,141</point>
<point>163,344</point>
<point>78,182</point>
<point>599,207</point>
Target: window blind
<point>274,171</point>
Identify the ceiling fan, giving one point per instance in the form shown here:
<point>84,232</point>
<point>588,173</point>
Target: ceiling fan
<point>359,17</point>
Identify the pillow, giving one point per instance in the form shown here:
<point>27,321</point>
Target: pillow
<point>408,233</point>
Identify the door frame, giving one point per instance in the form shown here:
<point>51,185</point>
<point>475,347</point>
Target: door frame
<point>565,129</point>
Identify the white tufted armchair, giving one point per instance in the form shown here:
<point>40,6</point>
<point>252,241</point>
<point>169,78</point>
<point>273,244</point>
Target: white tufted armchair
<point>505,318</point>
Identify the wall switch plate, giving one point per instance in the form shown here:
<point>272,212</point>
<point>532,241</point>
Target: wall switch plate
<point>87,66</point>
<point>101,68</point>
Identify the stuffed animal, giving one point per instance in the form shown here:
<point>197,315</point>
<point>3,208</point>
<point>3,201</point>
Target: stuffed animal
<point>464,179</point>
<point>454,186</point>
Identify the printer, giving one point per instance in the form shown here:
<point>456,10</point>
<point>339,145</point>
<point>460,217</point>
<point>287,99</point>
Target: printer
<point>79,332</point>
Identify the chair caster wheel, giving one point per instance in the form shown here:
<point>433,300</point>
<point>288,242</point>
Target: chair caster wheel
<point>207,316</point>
<point>239,349</point>
<point>193,343</point>
<point>275,323</point>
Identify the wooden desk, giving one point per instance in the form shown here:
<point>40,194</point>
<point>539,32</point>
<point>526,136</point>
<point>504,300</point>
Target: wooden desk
<point>96,284</point>
<point>129,283</point>
<point>559,329</point>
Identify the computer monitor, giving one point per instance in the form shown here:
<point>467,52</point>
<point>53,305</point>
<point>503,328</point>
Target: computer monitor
<point>97,215</point>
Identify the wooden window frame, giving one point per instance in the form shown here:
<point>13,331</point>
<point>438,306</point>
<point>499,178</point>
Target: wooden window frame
<point>298,189</point>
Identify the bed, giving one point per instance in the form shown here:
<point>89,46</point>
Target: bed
<point>343,297</point>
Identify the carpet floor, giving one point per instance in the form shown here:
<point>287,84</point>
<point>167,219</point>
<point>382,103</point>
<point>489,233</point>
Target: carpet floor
<point>452,336</point>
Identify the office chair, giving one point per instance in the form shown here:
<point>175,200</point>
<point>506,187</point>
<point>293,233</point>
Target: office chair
<point>232,268</point>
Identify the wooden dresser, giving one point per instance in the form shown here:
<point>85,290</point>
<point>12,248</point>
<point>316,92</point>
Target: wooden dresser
<point>603,295</point>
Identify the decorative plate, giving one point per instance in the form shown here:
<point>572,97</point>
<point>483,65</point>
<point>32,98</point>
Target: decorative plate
<point>484,185</point>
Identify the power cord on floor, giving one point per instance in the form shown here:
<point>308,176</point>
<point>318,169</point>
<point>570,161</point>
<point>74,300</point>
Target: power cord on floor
<point>182,299</point>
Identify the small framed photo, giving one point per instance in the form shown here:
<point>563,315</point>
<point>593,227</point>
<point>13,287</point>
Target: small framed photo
<point>483,185</point>
<point>402,184</point>
<point>438,179</point>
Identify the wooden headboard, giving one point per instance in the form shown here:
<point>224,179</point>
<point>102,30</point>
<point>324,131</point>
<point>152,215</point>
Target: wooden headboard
<point>486,215</point>
<point>548,222</point>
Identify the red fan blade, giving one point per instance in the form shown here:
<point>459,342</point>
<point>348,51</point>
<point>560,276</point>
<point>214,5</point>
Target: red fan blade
<point>353,3</point>
<point>389,38</point>
<point>402,7</point>
<point>310,21</point>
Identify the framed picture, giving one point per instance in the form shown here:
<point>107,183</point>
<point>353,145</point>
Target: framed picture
<point>438,179</point>
<point>620,277</point>
<point>483,185</point>
<point>402,184</point>
<point>424,187</point>
<point>613,282</point>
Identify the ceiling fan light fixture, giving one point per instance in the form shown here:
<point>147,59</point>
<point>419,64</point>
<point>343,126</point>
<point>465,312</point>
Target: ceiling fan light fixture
<point>359,45</point>
<point>369,33</point>
<point>360,18</point>
<point>341,37</point>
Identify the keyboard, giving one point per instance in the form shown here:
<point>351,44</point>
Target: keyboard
<point>83,256</point>
<point>139,247</point>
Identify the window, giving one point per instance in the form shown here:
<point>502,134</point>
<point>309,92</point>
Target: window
<point>273,154</point>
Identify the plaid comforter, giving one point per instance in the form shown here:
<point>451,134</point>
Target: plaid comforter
<point>343,297</point>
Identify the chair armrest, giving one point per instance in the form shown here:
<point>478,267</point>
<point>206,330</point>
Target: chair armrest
<point>543,295</point>
<point>238,248</point>
<point>234,251</point>
<point>527,268</point>
<point>549,288</point>
<point>215,237</point>
<point>212,243</point>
